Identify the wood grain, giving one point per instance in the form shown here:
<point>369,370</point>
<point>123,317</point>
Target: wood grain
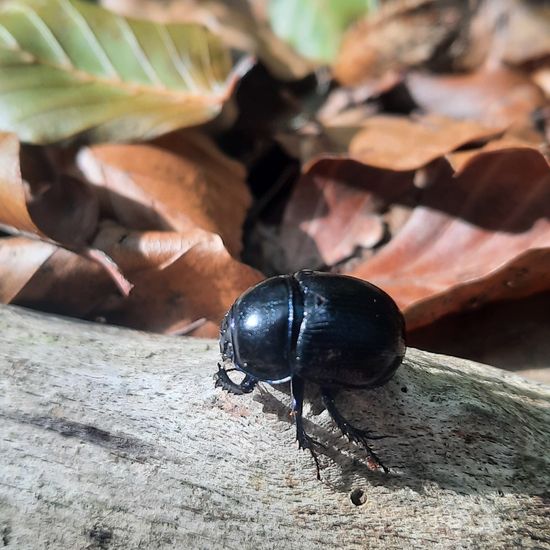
<point>111,438</point>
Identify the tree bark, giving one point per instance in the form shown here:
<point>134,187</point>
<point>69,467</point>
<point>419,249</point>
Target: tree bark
<point>112,438</point>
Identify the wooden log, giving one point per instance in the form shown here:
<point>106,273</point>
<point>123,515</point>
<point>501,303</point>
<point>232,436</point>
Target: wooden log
<point>112,438</point>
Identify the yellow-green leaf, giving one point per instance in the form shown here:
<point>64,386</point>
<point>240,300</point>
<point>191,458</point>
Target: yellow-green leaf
<point>68,67</point>
<point>315,27</point>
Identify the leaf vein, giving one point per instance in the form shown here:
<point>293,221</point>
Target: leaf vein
<point>85,102</point>
<point>137,50</point>
<point>11,41</point>
<point>38,23</point>
<point>128,87</point>
<point>172,51</point>
<point>99,51</point>
<point>38,87</point>
<point>207,65</point>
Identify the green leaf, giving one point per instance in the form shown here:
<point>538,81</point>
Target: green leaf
<point>315,27</point>
<point>68,67</point>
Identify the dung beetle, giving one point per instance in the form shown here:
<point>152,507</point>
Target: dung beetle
<point>333,330</point>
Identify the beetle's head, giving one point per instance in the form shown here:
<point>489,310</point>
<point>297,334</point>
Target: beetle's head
<point>226,337</point>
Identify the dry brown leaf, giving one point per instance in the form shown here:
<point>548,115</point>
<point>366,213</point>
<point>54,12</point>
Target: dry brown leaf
<point>15,216</point>
<point>177,279</point>
<point>181,186</point>
<point>180,278</point>
<point>386,141</point>
<point>20,259</point>
<point>451,36</point>
<point>527,34</point>
<point>337,121</point>
<point>401,35</point>
<point>496,97</point>
<point>13,204</point>
<point>335,208</point>
<point>400,143</point>
<point>65,283</point>
<point>64,211</point>
<point>541,77</point>
<point>182,283</point>
<point>480,236</point>
<point>67,210</point>
<point>459,159</point>
<point>343,106</point>
<point>310,143</point>
<point>509,334</point>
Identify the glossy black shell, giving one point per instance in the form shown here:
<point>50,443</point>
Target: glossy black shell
<point>330,329</point>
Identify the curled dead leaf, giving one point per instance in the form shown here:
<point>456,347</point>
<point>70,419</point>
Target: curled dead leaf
<point>68,284</point>
<point>459,159</point>
<point>178,279</point>
<point>64,218</point>
<point>443,36</point>
<point>62,209</point>
<point>509,334</point>
<point>401,35</point>
<point>386,141</point>
<point>527,36</point>
<point>336,207</point>
<point>20,259</point>
<point>182,283</point>
<point>174,185</point>
<point>478,236</point>
<point>338,120</point>
<point>67,210</point>
<point>494,96</point>
<point>541,77</point>
<point>400,143</point>
<point>13,204</point>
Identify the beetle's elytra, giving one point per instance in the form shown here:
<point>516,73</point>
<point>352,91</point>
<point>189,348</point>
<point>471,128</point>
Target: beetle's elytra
<point>333,330</point>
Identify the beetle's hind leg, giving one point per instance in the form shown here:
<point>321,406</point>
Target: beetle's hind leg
<point>304,440</point>
<point>356,435</point>
<point>222,380</point>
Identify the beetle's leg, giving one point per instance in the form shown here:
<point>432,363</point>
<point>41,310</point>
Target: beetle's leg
<point>304,441</point>
<point>355,435</point>
<point>222,380</point>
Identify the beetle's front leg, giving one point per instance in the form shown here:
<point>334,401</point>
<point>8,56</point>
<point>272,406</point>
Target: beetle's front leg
<point>304,440</point>
<point>222,380</point>
<point>354,434</point>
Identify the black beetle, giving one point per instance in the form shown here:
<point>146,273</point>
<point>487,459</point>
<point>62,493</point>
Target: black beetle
<point>333,330</point>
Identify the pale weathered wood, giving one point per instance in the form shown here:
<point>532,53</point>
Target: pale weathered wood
<point>118,439</point>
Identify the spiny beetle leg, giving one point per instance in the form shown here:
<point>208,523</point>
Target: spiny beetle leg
<point>304,440</point>
<point>222,380</point>
<point>355,435</point>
